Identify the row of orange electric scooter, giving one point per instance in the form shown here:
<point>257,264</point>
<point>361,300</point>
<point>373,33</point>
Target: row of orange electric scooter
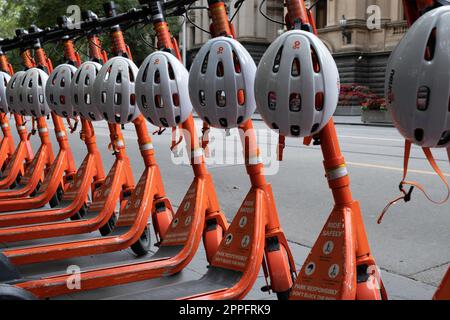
<point>296,90</point>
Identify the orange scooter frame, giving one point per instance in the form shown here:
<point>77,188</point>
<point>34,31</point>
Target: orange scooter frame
<point>199,212</point>
<point>131,225</point>
<point>254,234</point>
<point>73,202</point>
<point>7,146</point>
<point>54,181</point>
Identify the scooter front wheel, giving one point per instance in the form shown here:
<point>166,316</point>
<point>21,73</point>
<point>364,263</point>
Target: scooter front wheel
<point>142,246</point>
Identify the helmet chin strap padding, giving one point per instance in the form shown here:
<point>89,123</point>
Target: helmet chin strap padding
<point>31,92</point>
<point>221,83</point>
<point>12,92</point>
<point>417,84</point>
<point>297,85</point>
<point>162,90</point>
<point>114,91</point>
<point>4,79</point>
<point>58,93</point>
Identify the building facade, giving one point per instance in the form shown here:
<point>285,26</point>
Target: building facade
<point>360,33</point>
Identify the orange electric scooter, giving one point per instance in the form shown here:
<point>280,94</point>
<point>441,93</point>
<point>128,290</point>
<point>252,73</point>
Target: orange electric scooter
<point>234,268</point>
<point>13,164</point>
<point>131,227</point>
<point>349,271</point>
<point>89,176</point>
<point>59,171</point>
<point>199,213</point>
<point>413,11</point>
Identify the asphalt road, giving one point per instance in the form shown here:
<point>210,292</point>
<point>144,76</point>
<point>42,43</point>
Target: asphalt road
<point>411,246</point>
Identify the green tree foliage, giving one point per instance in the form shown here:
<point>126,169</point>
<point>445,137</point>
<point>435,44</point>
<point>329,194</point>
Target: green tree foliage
<point>43,13</point>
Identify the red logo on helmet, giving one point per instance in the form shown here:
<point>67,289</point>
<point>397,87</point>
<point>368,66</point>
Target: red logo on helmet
<point>220,50</point>
<point>296,45</point>
<point>157,61</point>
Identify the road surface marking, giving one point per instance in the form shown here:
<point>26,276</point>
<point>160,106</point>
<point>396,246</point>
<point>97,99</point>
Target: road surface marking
<point>367,165</point>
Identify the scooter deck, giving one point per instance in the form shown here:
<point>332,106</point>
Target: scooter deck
<point>214,281</point>
<point>72,201</point>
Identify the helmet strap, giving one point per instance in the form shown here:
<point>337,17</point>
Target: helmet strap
<point>175,142</point>
<point>406,195</point>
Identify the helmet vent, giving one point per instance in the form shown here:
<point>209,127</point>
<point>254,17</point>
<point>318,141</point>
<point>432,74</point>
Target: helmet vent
<point>144,75</point>
<point>13,84</point>
<point>241,97</point>
<point>75,98</point>
<point>91,115</point>
<point>171,72</point>
<point>52,99</point>
<point>164,122</point>
<point>445,138</point>
<point>423,98</point>
<point>295,70</point>
<point>237,64</point>
<point>105,115</point>
<point>315,127</point>
<point>177,119</point>
<point>23,80</point>
<point>202,97</point>
<point>62,100</point>
<point>220,70</point>
<point>131,74</point>
<point>277,62</point>
<point>176,99</point>
<point>63,83</point>
<point>240,119</point>
<point>39,80</point>
<point>157,78</point>
<point>223,122</point>
<point>431,46</point>
<point>320,100</point>
<point>103,96</point>
<point>132,99</point>
<point>144,102</point>
<point>119,77</point>
<point>117,98</point>
<point>272,100</point>
<point>108,73</point>
<point>30,98</point>
<point>205,64</point>
<point>5,82</point>
<point>87,81</point>
<point>419,134</point>
<point>87,98</point>
<point>30,83</point>
<point>77,79</point>
<point>221,98</point>
<point>54,78</point>
<point>315,60</point>
<point>41,98</point>
<point>158,101</point>
<point>295,102</point>
<point>295,131</point>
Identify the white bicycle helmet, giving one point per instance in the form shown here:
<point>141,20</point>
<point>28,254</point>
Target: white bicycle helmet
<point>114,91</point>
<point>31,93</point>
<point>12,92</point>
<point>297,85</point>
<point>4,79</point>
<point>418,81</point>
<point>82,91</point>
<point>57,91</point>
<point>221,83</point>
<point>162,90</point>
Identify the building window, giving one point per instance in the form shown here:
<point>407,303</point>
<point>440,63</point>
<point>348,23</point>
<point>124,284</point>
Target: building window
<point>321,14</point>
